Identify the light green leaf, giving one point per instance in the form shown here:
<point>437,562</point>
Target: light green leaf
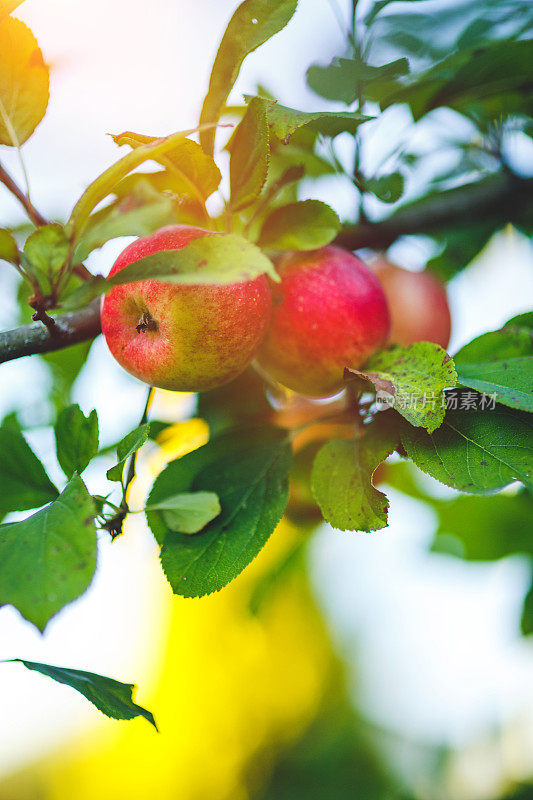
<point>475,451</point>
<point>249,156</point>
<point>413,379</point>
<point>46,250</point>
<point>195,173</point>
<point>341,479</point>
<point>252,24</point>
<point>499,364</point>
<point>127,446</point>
<point>76,439</point>
<point>212,259</point>
<point>8,247</point>
<point>48,560</point>
<point>112,698</point>
<point>104,184</point>
<point>24,483</point>
<point>248,470</point>
<point>304,225</point>
<point>24,82</point>
<point>284,121</point>
<point>188,512</point>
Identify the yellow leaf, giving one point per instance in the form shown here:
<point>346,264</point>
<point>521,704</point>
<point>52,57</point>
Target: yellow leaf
<point>24,82</point>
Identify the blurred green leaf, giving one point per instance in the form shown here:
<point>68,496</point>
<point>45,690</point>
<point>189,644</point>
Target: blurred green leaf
<point>65,366</point>
<point>76,439</point>
<point>475,451</point>
<point>8,247</point>
<point>112,698</point>
<point>24,483</point>
<point>252,24</point>
<point>387,188</point>
<point>341,480</point>
<point>346,79</point>
<point>249,156</point>
<point>127,446</point>
<point>188,512</point>
<point>49,559</point>
<point>526,621</point>
<point>304,225</point>
<point>236,403</point>
<point>248,470</point>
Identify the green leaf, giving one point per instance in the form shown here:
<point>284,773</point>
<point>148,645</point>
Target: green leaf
<point>341,478</point>
<point>304,225</point>
<point>248,470</point>
<point>413,379</point>
<point>212,259</point>
<point>76,439</point>
<point>284,121</point>
<point>387,188</point>
<point>112,698</point>
<point>8,247</point>
<point>499,364</point>
<point>521,321</point>
<point>346,79</point>
<point>484,528</point>
<point>24,483</point>
<point>526,621</point>
<point>65,366</point>
<point>188,512</point>
<point>24,82</point>
<point>48,560</point>
<point>127,446</point>
<point>252,24</point>
<point>195,173</point>
<point>137,214</point>
<point>105,183</point>
<point>249,156</point>
<point>46,250</point>
<point>238,402</point>
<point>476,451</point>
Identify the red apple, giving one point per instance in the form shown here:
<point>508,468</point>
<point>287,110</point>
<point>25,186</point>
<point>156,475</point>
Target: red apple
<point>328,312</point>
<point>183,337</point>
<point>418,305</point>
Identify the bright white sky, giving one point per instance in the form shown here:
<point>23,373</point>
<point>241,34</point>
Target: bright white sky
<point>438,650</point>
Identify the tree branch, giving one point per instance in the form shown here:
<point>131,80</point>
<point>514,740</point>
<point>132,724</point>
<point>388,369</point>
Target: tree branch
<point>495,200</point>
<point>69,329</point>
<point>23,199</point>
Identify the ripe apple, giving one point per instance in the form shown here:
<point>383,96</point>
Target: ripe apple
<point>328,312</point>
<point>418,305</point>
<point>183,337</point>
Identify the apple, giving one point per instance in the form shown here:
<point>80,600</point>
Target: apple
<point>187,338</point>
<point>418,304</point>
<point>328,312</point>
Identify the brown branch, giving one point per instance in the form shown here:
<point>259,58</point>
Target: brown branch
<point>495,200</point>
<point>23,199</point>
<point>69,329</point>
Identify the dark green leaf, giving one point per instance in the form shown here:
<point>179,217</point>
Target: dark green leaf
<point>76,439</point>
<point>304,225</point>
<point>412,380</point>
<point>526,621</point>
<point>476,451</point>
<point>252,24</point>
<point>346,79</point>
<point>188,512</point>
<point>499,364</point>
<point>24,483</point>
<point>48,560</point>
<point>129,445</point>
<point>112,698</point>
<point>249,156</point>
<point>387,188</point>
<point>341,479</point>
<point>235,403</point>
<point>248,470</point>
<point>46,251</point>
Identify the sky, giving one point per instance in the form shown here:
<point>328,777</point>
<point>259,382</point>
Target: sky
<point>435,640</point>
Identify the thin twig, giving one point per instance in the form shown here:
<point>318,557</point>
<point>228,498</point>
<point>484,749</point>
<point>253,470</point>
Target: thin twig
<point>23,199</point>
